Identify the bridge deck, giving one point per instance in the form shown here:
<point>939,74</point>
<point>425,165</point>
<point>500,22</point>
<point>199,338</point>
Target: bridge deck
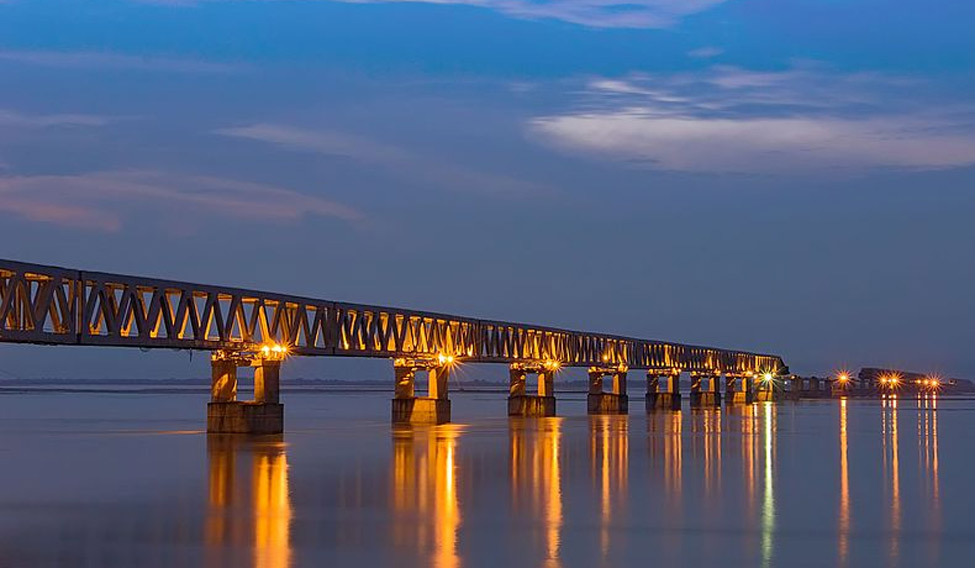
<point>51,305</point>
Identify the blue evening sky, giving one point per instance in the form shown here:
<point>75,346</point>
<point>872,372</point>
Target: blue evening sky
<point>795,177</point>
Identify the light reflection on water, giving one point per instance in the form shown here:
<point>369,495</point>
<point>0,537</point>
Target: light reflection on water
<point>258,516</point>
<point>425,508</point>
<point>819,484</point>
<point>536,479</point>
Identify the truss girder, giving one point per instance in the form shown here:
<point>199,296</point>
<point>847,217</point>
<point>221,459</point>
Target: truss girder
<point>51,305</point>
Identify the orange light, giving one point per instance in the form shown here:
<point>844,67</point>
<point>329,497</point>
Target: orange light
<point>445,359</point>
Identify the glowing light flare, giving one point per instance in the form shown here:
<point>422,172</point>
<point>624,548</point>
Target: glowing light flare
<point>445,359</point>
<point>891,380</point>
<point>552,365</point>
<point>274,351</point>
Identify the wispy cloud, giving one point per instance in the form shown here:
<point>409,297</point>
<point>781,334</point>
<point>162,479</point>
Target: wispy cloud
<point>18,119</point>
<point>592,13</point>
<point>106,200</point>
<point>104,60</point>
<point>736,120</point>
<point>705,52</point>
<point>417,167</point>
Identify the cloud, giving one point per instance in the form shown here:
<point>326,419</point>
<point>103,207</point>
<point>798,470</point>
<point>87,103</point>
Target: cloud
<point>104,200</point>
<point>593,13</point>
<point>735,120</point>
<point>433,171</point>
<point>705,52</point>
<point>15,119</point>
<point>104,60</point>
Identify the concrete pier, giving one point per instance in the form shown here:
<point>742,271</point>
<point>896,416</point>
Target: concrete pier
<point>663,391</point>
<point>245,417</point>
<point>406,407</point>
<point>704,392</point>
<point>616,400</point>
<point>520,402</point>
<point>738,390</point>
<point>529,405</point>
<point>264,414</point>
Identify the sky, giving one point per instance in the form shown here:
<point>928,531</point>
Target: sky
<point>787,177</point>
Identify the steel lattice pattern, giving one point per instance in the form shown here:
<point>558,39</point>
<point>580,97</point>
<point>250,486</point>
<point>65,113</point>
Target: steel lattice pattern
<point>50,305</point>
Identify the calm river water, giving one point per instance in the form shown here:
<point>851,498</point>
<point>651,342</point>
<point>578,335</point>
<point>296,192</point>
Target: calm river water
<point>130,480</point>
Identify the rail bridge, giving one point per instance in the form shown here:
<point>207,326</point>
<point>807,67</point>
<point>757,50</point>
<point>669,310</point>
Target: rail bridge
<point>50,305</point>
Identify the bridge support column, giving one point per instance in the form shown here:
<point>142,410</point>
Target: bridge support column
<point>738,390</point>
<point>614,402</point>
<point>704,392</point>
<point>663,391</point>
<point>520,403</point>
<point>226,414</point>
<point>431,409</point>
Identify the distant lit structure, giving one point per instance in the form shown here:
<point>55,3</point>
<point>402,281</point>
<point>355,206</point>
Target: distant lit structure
<point>905,382</point>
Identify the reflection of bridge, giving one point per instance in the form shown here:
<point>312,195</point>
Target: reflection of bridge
<point>56,306</point>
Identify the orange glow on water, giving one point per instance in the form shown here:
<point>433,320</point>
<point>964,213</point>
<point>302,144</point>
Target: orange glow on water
<point>267,527</point>
<point>844,519</point>
<point>536,478</point>
<point>426,507</point>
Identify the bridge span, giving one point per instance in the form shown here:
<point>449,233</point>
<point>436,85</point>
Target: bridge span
<point>50,305</point>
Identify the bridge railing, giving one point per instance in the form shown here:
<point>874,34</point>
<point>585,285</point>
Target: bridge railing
<point>51,305</point>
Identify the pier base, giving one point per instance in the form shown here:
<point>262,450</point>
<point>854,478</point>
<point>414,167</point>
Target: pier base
<point>765,395</point>
<point>739,397</point>
<point>663,401</point>
<point>240,417</point>
<point>738,390</point>
<point>420,410</point>
<point>608,403</point>
<point>534,406</point>
<point>704,399</point>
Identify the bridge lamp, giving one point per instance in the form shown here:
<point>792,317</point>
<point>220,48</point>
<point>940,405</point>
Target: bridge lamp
<point>890,380</point>
<point>274,351</point>
<point>552,365</point>
<point>843,378</point>
<point>444,359</point>
<point>767,377</point>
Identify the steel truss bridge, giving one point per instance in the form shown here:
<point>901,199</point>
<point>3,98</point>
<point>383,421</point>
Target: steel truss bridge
<point>59,306</point>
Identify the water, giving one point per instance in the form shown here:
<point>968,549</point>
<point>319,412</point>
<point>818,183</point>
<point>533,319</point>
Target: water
<point>103,479</point>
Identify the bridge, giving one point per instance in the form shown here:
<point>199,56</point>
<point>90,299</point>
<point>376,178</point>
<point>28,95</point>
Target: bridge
<point>50,305</point>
